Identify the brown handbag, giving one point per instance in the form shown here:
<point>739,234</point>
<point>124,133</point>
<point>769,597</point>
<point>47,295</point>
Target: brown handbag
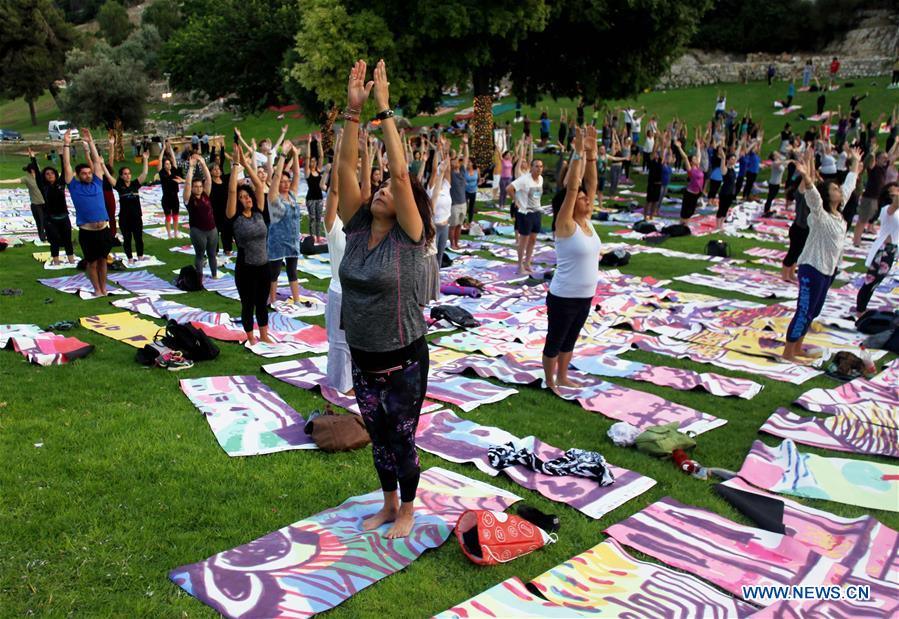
<point>333,432</point>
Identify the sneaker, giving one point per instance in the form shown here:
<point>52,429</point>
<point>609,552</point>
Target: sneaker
<point>173,361</point>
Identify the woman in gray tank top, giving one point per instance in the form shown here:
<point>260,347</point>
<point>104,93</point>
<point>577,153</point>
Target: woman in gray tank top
<point>382,275</point>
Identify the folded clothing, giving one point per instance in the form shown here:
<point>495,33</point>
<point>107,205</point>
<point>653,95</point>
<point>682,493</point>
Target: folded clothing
<point>577,462</point>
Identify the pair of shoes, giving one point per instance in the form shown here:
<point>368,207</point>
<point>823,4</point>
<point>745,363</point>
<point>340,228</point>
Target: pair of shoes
<point>173,361</point>
<point>62,325</point>
<point>11,292</point>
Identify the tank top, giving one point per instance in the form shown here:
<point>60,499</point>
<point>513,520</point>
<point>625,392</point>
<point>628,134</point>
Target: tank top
<point>506,169</point>
<point>577,265</point>
<point>315,187</point>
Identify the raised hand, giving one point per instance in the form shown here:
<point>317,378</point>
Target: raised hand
<point>67,137</point>
<point>357,89</point>
<point>86,134</point>
<point>590,144</point>
<point>382,86</point>
<point>578,140</point>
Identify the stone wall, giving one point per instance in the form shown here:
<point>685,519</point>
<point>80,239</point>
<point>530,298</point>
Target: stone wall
<point>869,49</point>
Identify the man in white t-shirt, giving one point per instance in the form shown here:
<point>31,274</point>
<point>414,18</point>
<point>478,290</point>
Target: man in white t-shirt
<point>527,190</point>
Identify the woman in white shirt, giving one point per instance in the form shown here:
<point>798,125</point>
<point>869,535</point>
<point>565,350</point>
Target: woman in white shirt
<point>823,250</point>
<point>340,373</point>
<point>573,285</point>
<point>439,192</point>
<point>882,254</point>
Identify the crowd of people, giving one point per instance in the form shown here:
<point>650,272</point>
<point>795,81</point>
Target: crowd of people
<point>389,208</point>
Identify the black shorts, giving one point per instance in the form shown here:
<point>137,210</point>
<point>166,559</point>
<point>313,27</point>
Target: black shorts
<point>171,206</point>
<point>95,244</point>
<point>527,223</point>
<point>565,319</point>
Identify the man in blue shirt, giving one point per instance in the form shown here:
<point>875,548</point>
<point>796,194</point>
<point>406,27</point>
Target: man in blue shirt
<point>753,166</point>
<point>86,190</point>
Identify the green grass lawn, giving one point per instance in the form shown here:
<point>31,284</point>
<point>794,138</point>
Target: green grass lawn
<point>129,481</point>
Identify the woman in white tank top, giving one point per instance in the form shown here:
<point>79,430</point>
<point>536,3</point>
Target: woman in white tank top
<point>573,285</point>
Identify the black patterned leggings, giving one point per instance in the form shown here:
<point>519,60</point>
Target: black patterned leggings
<point>880,266</point>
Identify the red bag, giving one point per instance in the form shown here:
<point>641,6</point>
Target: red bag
<point>489,537</point>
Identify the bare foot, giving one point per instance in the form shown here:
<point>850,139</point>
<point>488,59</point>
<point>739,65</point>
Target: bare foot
<point>71,259</point>
<point>405,519</point>
<point>385,514</point>
<point>351,393</point>
<point>567,383</point>
<point>251,338</point>
<point>266,339</point>
<point>56,262</point>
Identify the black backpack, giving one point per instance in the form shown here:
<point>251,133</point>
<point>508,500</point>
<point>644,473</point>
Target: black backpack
<point>677,230</point>
<point>717,248</point>
<point>188,279</point>
<point>193,343</point>
<point>874,321</point>
<point>644,227</point>
<point>615,258</point>
<point>455,315</point>
<point>446,261</point>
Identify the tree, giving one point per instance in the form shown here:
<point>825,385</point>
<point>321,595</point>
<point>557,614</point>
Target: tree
<point>115,26</point>
<point>562,48</point>
<point>427,45</point>
<point>232,48</point>
<point>106,88</point>
<point>34,39</point>
<point>165,15</point>
<point>142,47</point>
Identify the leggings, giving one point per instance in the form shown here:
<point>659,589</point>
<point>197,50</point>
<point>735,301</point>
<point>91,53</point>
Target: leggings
<point>750,184</point>
<point>390,404</point>
<point>740,181</point>
<point>205,244</point>
<point>440,240</point>
<point>471,198</point>
<point>714,186</point>
<point>226,230</point>
<point>275,269</point>
<point>132,228</point>
<point>773,190</point>
<point>614,177</point>
<point>316,228</point>
<point>37,211</point>
<point>724,204</point>
<point>813,287</point>
<point>59,233</point>
<point>253,286</point>
<point>688,205</point>
<point>798,236</point>
<point>565,318</point>
<point>627,167</point>
<point>880,266</point>
<point>504,182</point>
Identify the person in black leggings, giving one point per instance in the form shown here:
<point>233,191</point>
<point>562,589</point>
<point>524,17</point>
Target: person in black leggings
<point>57,224</point>
<point>728,188</point>
<point>131,221</point>
<point>219,197</point>
<point>251,273</point>
<point>798,235</point>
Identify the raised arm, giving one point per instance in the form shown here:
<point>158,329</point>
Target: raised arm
<point>93,156</point>
<point>591,179</point>
<point>145,156</point>
<point>67,156</point>
<point>231,205</point>
<point>207,177</point>
<point>565,219</point>
<point>407,214</point>
<point>280,139</point>
<point>852,177</point>
<point>185,194</point>
<point>333,194</point>
<point>308,154</point>
<point>275,182</point>
<point>364,168</point>
<point>357,95</point>
<point>295,168</point>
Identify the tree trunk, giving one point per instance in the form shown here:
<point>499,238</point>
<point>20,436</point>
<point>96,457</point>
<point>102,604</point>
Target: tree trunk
<point>55,92</point>
<point>33,112</point>
<point>482,123</point>
<point>118,133</point>
<point>327,129</point>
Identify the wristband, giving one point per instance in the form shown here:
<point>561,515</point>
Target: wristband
<point>575,157</point>
<point>590,160</point>
<point>388,113</point>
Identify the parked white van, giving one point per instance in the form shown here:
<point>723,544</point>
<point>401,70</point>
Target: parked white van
<point>57,128</point>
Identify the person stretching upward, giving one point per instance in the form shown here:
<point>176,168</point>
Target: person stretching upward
<point>820,259</point>
<point>86,190</point>
<point>381,274</point>
<point>573,286</point>
<point>131,221</point>
<point>882,253</point>
<point>169,179</point>
<point>203,234</point>
<point>284,230</point>
<point>251,271</point>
